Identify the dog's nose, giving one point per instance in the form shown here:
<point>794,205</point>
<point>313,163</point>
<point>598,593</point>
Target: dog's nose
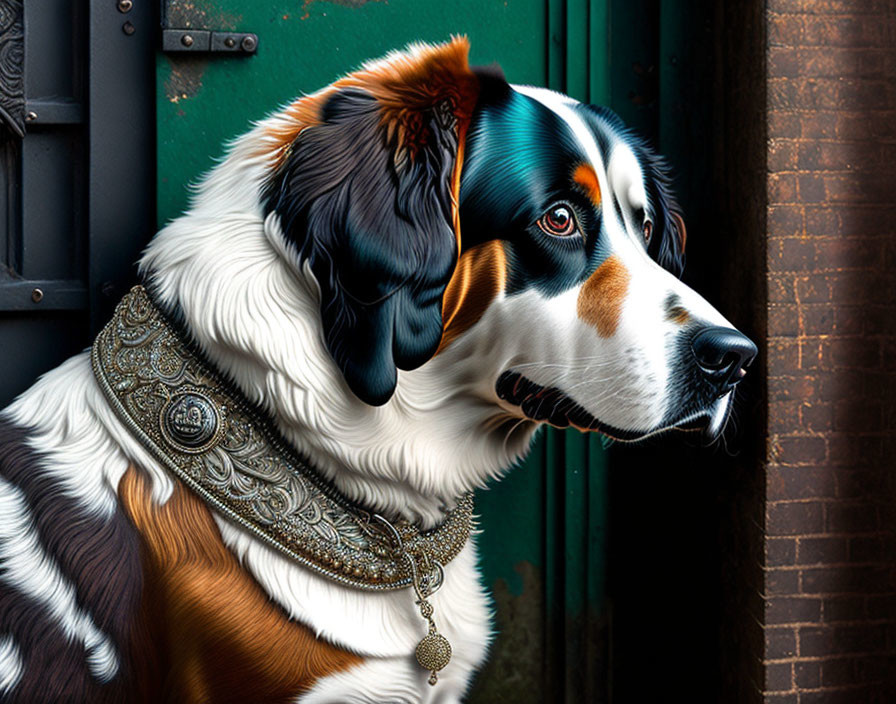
<point>723,354</point>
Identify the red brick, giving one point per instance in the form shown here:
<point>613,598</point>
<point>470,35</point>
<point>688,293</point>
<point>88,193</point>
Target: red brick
<point>853,353</point>
<point>783,124</point>
<point>779,677</point>
<point>843,695</point>
<point>812,188</point>
<point>783,416</point>
<point>838,672</point>
<point>800,483</point>
<point>871,549</point>
<point>816,417</point>
<point>849,320</point>
<point>785,220</point>
<point>782,188</point>
<point>866,125</point>
<point>781,582</point>
<point>780,699</point>
<point>862,483</point>
<point>822,221</point>
<point>853,417</point>
<point>843,30</point>
<point>782,155</point>
<point>826,550</point>
<point>846,579</point>
<point>781,289</point>
<point>807,674</point>
<point>832,640</point>
<point>815,288</point>
<point>780,643</point>
<point>796,254</point>
<point>851,450</point>
<point>843,608</point>
<point>783,610</point>
<point>783,320</point>
<point>821,7</point>
<point>794,518</point>
<point>882,607</point>
<point>786,388</point>
<point>818,124</point>
<point>795,451</point>
<point>851,517</point>
<point>780,551</point>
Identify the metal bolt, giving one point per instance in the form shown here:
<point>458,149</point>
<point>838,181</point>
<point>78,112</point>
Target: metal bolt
<point>230,42</point>
<point>186,40</point>
<point>37,295</point>
<point>31,116</point>
<point>249,43</point>
<point>125,5</point>
<point>128,28</point>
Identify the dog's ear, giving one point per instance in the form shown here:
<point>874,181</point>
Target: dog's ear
<point>366,189</point>
<point>667,244</point>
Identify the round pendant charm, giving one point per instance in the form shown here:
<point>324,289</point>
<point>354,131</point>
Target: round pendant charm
<point>190,422</point>
<point>433,652</point>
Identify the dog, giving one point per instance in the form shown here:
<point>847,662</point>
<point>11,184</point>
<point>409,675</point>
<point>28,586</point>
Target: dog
<point>407,273</point>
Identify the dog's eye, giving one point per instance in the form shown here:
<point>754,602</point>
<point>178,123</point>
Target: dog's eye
<point>558,221</point>
<point>647,229</point>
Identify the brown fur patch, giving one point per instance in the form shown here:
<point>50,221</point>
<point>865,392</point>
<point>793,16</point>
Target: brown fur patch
<point>480,275</point>
<point>586,178</point>
<point>601,298</point>
<point>682,230</point>
<point>218,635</point>
<point>405,87</point>
<point>678,315</point>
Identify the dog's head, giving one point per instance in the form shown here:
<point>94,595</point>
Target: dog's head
<point>448,216</point>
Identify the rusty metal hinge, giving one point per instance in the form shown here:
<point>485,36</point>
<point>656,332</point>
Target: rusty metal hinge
<point>209,41</point>
<point>188,35</point>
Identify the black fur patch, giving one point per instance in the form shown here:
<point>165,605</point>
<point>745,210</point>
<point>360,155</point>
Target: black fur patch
<point>666,245</point>
<point>374,222</point>
<point>100,557</point>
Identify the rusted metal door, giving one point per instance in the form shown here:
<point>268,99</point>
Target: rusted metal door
<point>76,174</point>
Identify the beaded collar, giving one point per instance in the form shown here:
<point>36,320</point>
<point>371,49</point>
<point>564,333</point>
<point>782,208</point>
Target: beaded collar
<point>204,431</point>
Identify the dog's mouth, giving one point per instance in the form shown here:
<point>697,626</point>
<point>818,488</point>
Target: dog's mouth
<point>548,404</point>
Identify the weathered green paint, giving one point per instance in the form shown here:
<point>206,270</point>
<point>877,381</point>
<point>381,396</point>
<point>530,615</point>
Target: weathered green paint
<point>544,525</point>
<point>203,102</point>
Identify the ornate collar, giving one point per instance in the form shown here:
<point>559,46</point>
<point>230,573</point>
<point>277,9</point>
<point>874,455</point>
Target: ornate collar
<point>205,432</point>
<point>224,449</point>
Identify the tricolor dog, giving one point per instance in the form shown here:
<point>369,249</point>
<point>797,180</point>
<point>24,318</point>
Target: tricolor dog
<point>374,302</point>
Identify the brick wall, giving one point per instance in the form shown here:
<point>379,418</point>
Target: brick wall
<point>829,591</point>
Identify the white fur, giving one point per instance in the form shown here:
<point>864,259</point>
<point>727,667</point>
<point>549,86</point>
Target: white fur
<point>10,664</point>
<point>26,567</point>
<point>84,446</point>
<point>387,681</point>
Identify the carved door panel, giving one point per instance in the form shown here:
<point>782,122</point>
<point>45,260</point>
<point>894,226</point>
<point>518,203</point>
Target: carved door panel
<point>76,174</point>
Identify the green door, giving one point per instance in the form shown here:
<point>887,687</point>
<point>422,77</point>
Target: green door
<point>544,526</point>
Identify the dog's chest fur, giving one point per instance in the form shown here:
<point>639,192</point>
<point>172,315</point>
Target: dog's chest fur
<point>145,589</point>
